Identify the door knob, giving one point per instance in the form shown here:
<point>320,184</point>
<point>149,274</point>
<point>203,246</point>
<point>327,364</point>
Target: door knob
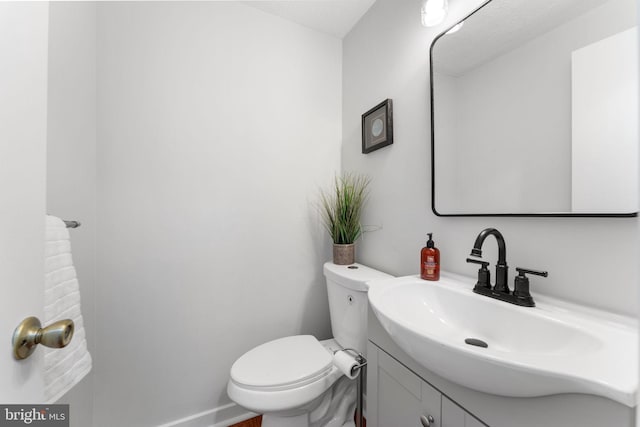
<point>30,333</point>
<point>427,420</point>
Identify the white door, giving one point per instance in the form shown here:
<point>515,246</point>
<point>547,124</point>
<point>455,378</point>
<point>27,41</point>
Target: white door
<point>23,126</point>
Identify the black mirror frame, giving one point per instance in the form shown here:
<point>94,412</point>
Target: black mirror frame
<point>433,182</point>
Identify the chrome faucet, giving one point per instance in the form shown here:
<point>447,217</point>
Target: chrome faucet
<point>501,291</point>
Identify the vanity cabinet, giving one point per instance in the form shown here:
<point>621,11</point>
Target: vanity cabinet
<point>397,397</point>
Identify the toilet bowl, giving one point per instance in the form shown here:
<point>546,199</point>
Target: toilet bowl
<point>287,378</point>
<point>293,381</point>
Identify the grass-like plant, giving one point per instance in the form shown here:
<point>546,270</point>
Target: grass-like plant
<point>341,207</point>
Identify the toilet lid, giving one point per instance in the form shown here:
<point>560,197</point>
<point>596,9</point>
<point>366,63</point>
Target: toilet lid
<point>285,361</point>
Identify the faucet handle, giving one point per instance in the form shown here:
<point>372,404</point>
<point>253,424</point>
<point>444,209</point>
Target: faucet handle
<point>524,271</point>
<point>484,276</point>
<point>484,264</point>
<point>521,287</point>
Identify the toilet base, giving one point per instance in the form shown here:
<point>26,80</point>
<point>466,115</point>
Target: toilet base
<point>334,409</point>
<point>299,421</point>
<point>277,421</point>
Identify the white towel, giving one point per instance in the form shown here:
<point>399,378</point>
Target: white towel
<point>63,368</point>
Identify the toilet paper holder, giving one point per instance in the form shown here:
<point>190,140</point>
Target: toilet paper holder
<point>361,367</point>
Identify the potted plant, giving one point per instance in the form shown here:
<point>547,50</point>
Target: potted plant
<point>341,208</point>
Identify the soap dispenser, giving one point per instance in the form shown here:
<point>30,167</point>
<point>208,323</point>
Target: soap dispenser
<point>430,261</point>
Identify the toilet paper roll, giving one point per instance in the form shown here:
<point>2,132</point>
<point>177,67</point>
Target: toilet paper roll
<point>346,363</point>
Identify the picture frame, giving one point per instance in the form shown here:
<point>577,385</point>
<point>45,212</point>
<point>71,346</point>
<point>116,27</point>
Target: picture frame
<point>377,127</point>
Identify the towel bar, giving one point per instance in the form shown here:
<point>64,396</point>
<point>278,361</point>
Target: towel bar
<point>72,224</point>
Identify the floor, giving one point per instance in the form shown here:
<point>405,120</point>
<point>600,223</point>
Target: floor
<point>253,422</point>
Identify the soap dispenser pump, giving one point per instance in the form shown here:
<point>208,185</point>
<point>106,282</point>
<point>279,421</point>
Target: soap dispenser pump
<point>430,261</point>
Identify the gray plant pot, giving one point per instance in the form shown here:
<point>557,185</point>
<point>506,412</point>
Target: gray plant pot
<point>344,254</point>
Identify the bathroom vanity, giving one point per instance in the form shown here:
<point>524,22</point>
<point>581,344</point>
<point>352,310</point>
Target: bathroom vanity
<point>401,392</point>
<point>401,397</point>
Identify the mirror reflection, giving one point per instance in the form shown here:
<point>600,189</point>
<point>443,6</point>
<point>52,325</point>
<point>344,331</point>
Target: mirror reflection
<point>535,110</point>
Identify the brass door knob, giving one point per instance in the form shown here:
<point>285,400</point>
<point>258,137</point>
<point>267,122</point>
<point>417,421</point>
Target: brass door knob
<point>30,333</point>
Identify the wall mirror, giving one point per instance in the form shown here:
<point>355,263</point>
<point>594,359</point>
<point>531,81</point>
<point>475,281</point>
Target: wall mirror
<point>534,110</point>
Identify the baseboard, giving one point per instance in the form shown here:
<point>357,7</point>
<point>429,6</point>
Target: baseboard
<point>222,416</point>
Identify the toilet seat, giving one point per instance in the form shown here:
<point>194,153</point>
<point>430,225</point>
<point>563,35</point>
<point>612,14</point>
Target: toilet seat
<point>281,375</point>
<point>282,364</point>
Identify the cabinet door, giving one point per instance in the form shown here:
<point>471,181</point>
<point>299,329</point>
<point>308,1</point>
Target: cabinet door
<point>454,416</point>
<point>431,403</point>
<point>470,421</point>
<point>398,397</point>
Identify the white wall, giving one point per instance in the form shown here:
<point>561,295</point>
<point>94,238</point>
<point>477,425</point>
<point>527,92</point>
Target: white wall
<point>590,261</point>
<point>71,159</point>
<point>217,123</point>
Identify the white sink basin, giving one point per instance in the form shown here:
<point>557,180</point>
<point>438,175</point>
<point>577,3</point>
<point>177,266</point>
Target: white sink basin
<point>552,348</point>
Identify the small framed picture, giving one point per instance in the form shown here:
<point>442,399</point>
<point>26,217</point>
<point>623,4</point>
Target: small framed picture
<point>377,127</point>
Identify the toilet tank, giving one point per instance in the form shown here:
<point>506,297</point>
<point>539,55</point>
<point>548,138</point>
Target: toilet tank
<point>348,303</point>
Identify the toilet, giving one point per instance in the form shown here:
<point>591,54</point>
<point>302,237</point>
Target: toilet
<point>292,381</point>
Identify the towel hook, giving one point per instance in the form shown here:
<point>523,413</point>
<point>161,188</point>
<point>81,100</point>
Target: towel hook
<point>30,333</point>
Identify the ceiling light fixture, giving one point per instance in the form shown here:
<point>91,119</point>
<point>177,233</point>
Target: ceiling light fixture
<point>433,12</point>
